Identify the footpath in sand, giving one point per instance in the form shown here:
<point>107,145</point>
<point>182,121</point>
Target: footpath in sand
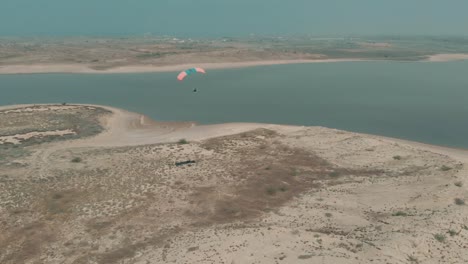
<point>257,193</point>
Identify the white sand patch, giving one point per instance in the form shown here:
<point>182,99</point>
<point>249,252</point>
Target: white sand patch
<point>39,109</point>
<point>16,139</point>
<point>447,57</point>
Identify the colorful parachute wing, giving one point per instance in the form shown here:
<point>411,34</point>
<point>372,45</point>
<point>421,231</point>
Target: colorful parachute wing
<point>185,73</point>
<point>181,76</point>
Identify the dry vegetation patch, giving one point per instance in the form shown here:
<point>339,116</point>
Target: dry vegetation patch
<point>269,175</point>
<point>43,123</point>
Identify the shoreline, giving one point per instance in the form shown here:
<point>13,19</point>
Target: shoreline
<point>86,69</point>
<point>124,128</point>
<point>79,68</point>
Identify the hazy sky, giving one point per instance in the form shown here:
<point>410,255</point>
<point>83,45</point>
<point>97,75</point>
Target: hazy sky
<point>233,17</point>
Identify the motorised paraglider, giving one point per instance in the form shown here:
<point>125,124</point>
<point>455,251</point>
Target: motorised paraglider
<point>188,72</point>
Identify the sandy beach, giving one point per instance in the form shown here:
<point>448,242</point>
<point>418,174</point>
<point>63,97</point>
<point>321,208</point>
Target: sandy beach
<point>448,57</point>
<point>80,68</point>
<point>77,68</point>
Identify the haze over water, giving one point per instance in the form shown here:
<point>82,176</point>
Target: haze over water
<point>203,18</point>
<point>418,101</point>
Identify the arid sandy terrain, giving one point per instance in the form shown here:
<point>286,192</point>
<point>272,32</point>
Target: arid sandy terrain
<point>92,184</point>
<point>155,54</point>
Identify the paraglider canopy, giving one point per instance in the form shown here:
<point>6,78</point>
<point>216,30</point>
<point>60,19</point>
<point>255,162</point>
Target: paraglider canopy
<point>185,73</point>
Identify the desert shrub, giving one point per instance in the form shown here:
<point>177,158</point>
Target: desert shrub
<point>397,157</point>
<point>271,191</point>
<point>452,232</point>
<point>459,201</point>
<point>459,184</point>
<point>190,249</point>
<point>400,213</point>
<point>440,237</point>
<point>445,168</point>
<point>182,141</point>
<point>76,160</point>
<point>295,172</point>
<point>413,259</point>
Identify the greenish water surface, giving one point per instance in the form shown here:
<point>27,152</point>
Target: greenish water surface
<point>426,102</point>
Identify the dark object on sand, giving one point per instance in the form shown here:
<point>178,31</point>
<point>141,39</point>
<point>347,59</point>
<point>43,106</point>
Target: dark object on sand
<point>64,103</point>
<point>180,163</point>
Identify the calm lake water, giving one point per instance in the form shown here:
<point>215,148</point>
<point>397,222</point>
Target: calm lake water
<point>426,102</point>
